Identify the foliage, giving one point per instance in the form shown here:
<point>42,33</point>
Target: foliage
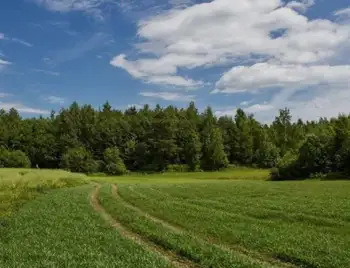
<point>150,140</point>
<point>79,160</point>
<point>114,165</point>
<point>13,159</point>
<point>178,168</point>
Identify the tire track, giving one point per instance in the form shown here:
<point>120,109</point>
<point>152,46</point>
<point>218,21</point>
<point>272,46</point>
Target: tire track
<point>175,260</point>
<point>230,248</point>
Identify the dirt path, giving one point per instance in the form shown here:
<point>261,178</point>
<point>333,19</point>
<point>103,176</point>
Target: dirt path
<point>169,256</point>
<point>233,249</point>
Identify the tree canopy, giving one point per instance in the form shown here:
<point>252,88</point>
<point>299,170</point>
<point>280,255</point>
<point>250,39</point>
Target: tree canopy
<point>81,138</point>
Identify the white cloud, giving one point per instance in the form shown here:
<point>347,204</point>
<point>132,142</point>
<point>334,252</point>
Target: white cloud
<point>342,12</point>
<point>46,72</point>
<point>92,7</point>
<point>266,75</point>
<point>3,64</point>
<point>22,108</point>
<point>4,95</point>
<point>268,46</point>
<point>245,103</point>
<point>302,5</point>
<point>225,31</point>
<point>153,71</point>
<point>22,42</point>
<point>55,100</point>
<point>169,96</point>
<point>15,40</point>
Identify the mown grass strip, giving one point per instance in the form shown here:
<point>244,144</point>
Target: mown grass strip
<point>203,253</point>
<point>176,261</point>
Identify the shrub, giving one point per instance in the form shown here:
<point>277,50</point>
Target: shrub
<point>79,160</point>
<point>287,167</point>
<point>114,164</point>
<point>14,159</point>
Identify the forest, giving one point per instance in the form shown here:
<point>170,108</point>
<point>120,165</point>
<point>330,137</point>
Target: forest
<point>83,139</point>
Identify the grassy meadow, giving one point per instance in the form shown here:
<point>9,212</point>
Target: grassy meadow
<point>232,218</point>
<point>18,186</point>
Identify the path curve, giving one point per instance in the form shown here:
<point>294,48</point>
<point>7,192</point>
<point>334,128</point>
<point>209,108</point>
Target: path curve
<point>169,256</point>
<point>234,249</point>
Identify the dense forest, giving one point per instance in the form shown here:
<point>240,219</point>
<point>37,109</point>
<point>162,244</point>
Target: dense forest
<point>83,139</point>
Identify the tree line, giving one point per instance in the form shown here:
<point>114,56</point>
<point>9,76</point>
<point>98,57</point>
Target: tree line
<point>83,139</point>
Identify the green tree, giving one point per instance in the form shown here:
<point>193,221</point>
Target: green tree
<point>213,151</point>
<point>79,160</point>
<point>114,164</point>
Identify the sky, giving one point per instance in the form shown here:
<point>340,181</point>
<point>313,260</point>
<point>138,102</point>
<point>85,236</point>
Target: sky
<point>259,55</point>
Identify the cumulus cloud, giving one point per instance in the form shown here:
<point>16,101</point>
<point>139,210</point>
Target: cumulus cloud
<point>222,31</point>
<point>301,5</point>
<point>265,75</point>
<point>264,45</point>
<point>153,71</point>
<point>169,96</point>
<point>342,12</point>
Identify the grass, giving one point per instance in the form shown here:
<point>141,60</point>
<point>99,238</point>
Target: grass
<point>189,177</point>
<point>18,186</point>
<point>60,229</point>
<point>217,219</point>
<point>182,243</point>
<point>303,223</point>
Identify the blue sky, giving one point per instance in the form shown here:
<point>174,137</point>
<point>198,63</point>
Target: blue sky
<point>254,54</point>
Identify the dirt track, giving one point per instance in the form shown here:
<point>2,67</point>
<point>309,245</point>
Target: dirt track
<point>172,258</point>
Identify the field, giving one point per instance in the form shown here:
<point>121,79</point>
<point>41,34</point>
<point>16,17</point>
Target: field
<point>221,219</point>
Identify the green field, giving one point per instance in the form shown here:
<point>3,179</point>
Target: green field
<point>219,219</point>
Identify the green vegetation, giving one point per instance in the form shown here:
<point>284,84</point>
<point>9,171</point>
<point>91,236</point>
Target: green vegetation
<point>187,177</point>
<point>160,139</point>
<point>61,229</point>
<point>18,186</point>
<point>231,218</point>
<point>306,224</point>
<point>194,190</point>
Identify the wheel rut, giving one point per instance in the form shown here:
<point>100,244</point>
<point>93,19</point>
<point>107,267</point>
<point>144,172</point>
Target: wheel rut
<point>169,256</point>
<point>235,249</point>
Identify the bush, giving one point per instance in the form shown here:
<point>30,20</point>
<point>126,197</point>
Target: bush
<point>287,167</point>
<point>14,159</point>
<point>114,165</point>
<point>79,160</point>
